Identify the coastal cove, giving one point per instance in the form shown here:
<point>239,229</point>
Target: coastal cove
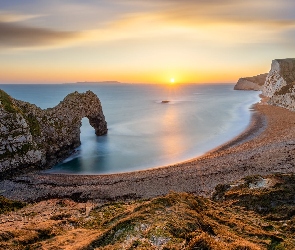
<point>266,153</point>
<point>143,132</point>
<point>240,195</point>
<point>265,147</point>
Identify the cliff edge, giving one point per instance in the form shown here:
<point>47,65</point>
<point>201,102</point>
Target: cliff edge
<point>251,83</point>
<point>31,137</point>
<point>279,84</point>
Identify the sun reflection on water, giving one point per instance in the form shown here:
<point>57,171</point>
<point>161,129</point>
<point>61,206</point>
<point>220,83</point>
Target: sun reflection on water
<point>172,143</point>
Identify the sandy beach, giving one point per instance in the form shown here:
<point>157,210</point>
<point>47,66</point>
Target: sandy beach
<point>265,147</point>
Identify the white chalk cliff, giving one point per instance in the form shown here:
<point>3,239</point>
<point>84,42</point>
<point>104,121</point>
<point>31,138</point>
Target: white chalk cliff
<point>280,83</point>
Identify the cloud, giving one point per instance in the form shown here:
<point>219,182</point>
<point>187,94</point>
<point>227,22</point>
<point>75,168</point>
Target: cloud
<point>194,12</point>
<point>105,20</point>
<point>15,35</point>
<point>8,17</point>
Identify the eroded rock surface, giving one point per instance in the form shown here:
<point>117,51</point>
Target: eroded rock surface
<point>279,84</point>
<point>251,83</point>
<point>34,138</point>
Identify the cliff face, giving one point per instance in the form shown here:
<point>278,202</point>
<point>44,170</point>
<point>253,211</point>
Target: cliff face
<point>251,83</point>
<point>34,138</point>
<point>279,84</point>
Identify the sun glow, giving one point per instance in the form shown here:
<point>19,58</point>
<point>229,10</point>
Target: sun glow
<point>172,80</point>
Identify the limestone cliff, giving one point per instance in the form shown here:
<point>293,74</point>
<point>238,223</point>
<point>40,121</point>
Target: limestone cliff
<point>34,138</point>
<point>279,84</point>
<point>251,83</point>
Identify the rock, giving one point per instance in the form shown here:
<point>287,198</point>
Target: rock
<point>280,78</point>
<point>251,83</point>
<point>279,84</point>
<point>36,139</point>
<point>165,101</point>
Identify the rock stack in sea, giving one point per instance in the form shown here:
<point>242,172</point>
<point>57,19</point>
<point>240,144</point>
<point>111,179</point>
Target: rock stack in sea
<point>35,138</point>
<point>251,83</point>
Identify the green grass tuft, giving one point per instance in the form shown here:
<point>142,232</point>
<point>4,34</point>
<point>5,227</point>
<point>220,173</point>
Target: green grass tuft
<point>6,102</point>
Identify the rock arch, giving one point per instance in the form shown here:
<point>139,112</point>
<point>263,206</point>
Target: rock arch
<point>33,137</point>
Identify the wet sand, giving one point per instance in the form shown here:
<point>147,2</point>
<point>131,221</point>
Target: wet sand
<point>266,147</point>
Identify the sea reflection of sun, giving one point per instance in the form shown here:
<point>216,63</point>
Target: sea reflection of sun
<point>171,143</point>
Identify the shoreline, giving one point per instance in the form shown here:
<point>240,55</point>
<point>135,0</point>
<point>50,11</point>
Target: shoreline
<point>250,131</point>
<point>263,148</point>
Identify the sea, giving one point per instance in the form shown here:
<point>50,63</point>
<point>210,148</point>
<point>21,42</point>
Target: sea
<point>143,132</point>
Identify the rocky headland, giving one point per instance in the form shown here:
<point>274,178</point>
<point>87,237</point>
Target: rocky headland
<point>32,138</point>
<point>251,83</point>
<point>278,86</point>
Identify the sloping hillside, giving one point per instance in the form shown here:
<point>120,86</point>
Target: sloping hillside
<point>254,213</point>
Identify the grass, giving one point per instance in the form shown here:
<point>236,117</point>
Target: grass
<point>9,106</point>
<point>33,124</point>
<point>21,151</point>
<point>184,221</point>
<point>285,90</point>
<point>276,202</point>
<point>7,205</point>
<point>6,102</point>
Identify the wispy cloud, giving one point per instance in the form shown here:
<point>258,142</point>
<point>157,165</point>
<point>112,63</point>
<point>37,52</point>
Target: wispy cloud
<point>9,17</point>
<point>126,19</point>
<point>149,37</point>
<point>15,35</point>
<point>268,12</point>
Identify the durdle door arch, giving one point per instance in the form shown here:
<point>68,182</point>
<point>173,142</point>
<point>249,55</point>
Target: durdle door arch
<point>33,138</point>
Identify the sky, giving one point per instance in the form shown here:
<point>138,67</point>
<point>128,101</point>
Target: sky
<point>139,41</point>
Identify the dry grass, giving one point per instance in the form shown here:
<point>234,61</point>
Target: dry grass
<point>175,221</point>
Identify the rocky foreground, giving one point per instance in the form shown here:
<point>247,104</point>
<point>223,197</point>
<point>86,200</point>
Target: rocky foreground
<point>253,213</point>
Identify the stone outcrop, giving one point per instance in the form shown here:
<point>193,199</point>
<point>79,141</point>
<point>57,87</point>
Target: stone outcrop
<point>280,83</point>
<point>31,137</point>
<point>251,83</point>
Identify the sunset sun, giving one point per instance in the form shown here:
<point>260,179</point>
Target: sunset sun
<point>172,80</point>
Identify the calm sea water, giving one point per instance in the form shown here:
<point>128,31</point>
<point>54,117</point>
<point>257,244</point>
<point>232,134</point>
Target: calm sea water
<point>143,132</point>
